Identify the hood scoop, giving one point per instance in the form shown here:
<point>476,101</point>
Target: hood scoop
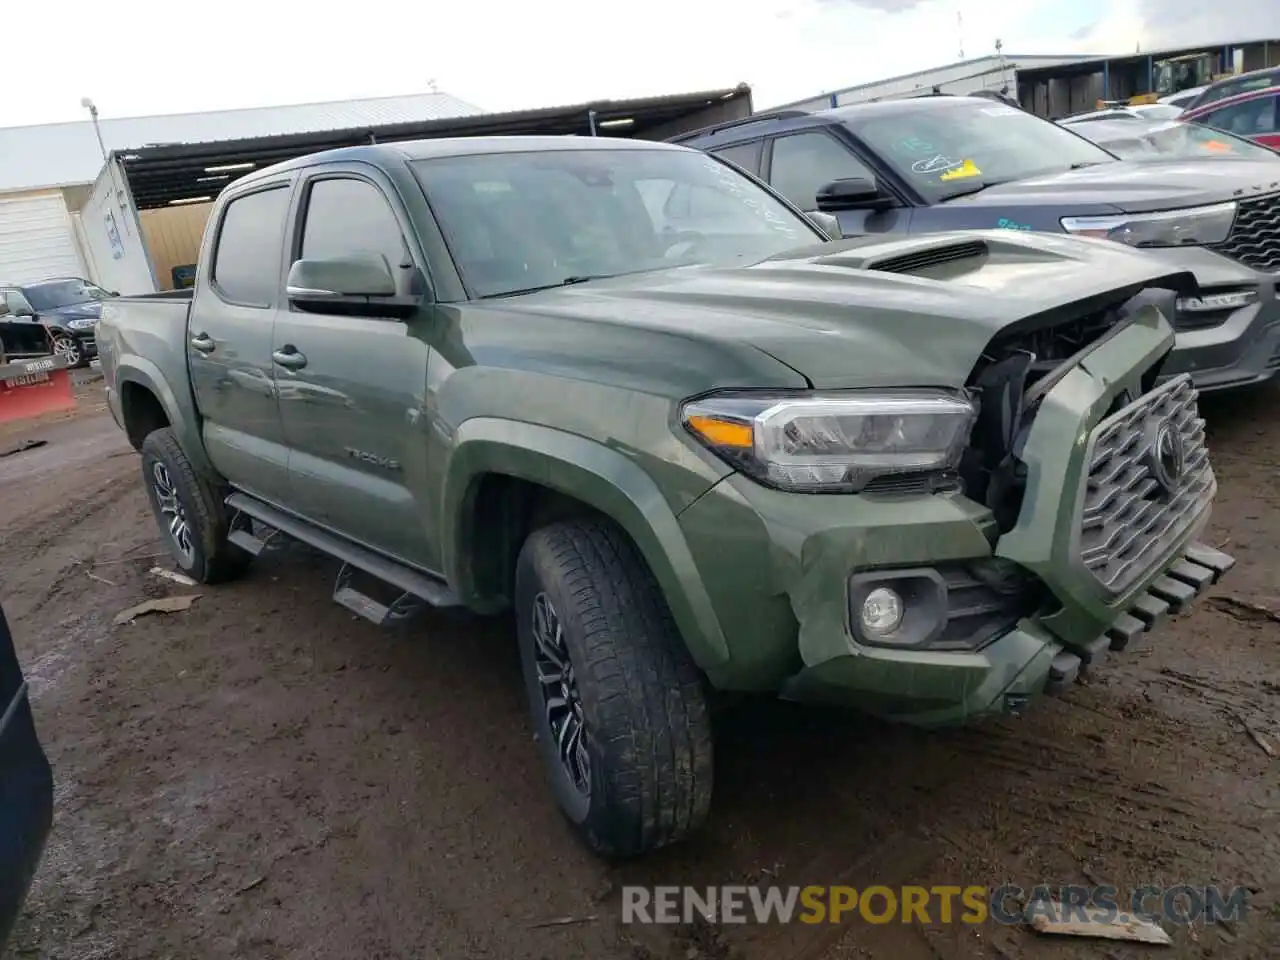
<point>920,260</point>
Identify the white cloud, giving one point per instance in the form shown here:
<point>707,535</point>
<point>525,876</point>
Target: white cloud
<point>147,56</point>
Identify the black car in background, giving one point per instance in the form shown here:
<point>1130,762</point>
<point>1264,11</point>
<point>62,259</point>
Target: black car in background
<point>26,788</point>
<point>940,163</point>
<point>58,314</point>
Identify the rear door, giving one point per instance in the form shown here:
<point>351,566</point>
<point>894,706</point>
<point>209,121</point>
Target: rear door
<point>229,341</point>
<point>352,388</point>
<point>797,165</point>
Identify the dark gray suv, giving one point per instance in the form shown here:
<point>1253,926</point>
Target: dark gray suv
<point>939,163</point>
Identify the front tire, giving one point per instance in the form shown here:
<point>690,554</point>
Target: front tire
<point>618,705</point>
<point>69,349</point>
<point>190,514</point>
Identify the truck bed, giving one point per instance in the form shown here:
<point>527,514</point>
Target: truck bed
<point>147,335</point>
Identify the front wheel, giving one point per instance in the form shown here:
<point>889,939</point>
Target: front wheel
<point>190,515</point>
<point>618,705</point>
<point>68,348</point>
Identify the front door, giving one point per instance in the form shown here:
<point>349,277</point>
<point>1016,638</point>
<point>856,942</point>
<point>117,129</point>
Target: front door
<point>229,342</point>
<point>351,387</point>
<point>800,164</point>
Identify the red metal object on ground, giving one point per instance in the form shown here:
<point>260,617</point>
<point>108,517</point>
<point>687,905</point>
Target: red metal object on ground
<point>29,388</point>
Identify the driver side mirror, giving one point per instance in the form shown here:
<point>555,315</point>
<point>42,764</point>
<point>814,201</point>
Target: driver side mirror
<point>355,286</point>
<point>852,193</point>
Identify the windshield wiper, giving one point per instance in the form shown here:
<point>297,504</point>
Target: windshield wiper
<point>1088,163</point>
<point>566,282</point>
<point>975,188</point>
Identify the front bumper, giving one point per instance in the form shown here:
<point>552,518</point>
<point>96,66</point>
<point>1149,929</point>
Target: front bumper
<point>781,587</point>
<point>1232,348</point>
<point>88,342</point>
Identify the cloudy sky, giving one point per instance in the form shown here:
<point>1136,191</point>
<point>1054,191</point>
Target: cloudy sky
<point>136,57</point>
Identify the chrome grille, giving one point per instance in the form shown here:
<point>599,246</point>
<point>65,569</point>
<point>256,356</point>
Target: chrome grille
<point>1137,503</point>
<point>1255,236</point>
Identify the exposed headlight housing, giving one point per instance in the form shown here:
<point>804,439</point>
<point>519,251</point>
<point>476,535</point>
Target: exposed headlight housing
<point>1214,302</point>
<point>1188,227</point>
<point>833,442</point>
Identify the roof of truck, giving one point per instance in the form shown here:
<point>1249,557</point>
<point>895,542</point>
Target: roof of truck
<point>465,146</point>
<point>436,147</point>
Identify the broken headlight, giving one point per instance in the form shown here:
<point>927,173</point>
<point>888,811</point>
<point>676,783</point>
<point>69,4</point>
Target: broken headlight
<point>832,442</point>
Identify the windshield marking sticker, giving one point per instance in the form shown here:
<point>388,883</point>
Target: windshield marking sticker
<point>935,164</point>
<point>1004,223</point>
<point>964,171</point>
<point>914,145</point>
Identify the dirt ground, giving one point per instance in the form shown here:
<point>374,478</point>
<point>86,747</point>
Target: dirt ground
<point>264,777</point>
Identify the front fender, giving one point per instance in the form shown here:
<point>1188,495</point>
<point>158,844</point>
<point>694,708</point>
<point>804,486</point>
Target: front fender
<point>180,411</point>
<point>593,474</point>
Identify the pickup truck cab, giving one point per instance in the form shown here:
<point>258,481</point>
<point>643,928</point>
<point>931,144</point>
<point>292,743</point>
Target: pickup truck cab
<point>634,397</point>
<point>940,163</point>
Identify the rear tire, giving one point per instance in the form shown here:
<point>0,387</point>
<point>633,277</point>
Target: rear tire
<point>642,776</point>
<point>189,512</point>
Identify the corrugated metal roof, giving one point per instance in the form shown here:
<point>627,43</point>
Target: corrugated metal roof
<point>58,154</point>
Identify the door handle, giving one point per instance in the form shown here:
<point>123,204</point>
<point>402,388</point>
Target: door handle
<point>204,343</point>
<point>290,358</point>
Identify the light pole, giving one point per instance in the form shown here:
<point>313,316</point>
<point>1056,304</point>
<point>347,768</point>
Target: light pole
<point>93,115</point>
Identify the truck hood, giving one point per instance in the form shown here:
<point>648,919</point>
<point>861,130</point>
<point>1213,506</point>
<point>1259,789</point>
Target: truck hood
<point>916,311</point>
<point>1127,186</point>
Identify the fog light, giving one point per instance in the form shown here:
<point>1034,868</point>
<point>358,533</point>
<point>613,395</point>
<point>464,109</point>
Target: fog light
<point>881,612</point>
<point>897,608</point>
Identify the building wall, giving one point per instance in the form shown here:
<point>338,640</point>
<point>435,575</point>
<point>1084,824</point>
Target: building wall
<point>37,238</point>
<point>172,236</point>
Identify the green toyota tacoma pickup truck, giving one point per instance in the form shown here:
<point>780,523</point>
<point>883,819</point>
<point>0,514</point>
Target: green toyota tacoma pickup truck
<point>626,392</point>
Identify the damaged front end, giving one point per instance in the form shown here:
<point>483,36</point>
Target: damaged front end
<point>1097,473</point>
<point>1098,484</point>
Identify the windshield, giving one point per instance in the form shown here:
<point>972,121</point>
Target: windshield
<point>948,151</point>
<point>1174,139</point>
<point>520,221</point>
<point>53,294</point>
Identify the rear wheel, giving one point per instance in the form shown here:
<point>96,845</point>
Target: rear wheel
<point>189,512</point>
<point>618,705</point>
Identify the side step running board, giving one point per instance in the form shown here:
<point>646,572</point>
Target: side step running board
<point>415,587</point>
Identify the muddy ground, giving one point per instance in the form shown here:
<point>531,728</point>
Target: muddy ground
<point>265,777</point>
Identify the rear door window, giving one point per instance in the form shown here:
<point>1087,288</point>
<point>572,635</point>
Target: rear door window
<point>744,155</point>
<point>246,263</point>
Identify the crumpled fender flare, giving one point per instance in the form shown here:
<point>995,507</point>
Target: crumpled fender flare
<point>182,417</point>
<point>596,475</point>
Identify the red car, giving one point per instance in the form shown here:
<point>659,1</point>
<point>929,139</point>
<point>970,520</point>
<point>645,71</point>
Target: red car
<point>1254,115</point>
